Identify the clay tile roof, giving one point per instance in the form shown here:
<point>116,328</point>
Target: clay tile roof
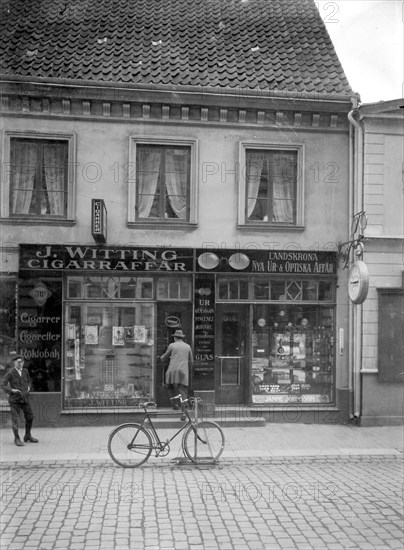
<point>253,44</point>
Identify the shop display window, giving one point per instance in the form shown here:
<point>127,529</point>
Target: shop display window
<point>233,289</point>
<point>110,288</point>
<point>310,289</point>
<point>261,291</point>
<point>275,290</point>
<point>174,288</point>
<point>292,353</point>
<point>109,350</point>
<point>325,291</point>
<point>75,287</point>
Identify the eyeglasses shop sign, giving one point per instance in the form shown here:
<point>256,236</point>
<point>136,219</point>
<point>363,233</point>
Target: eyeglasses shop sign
<point>280,262</point>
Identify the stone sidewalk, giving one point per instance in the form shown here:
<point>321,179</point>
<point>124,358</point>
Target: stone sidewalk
<point>269,441</point>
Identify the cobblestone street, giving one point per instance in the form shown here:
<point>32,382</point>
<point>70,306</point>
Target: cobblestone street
<point>279,503</point>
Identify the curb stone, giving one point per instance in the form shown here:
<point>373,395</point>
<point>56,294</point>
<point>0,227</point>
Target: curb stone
<point>228,461</point>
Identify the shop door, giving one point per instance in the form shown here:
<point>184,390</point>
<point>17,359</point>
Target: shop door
<point>231,343</point>
<point>170,317</point>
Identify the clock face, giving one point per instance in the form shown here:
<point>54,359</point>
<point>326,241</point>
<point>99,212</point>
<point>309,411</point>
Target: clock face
<point>358,282</point>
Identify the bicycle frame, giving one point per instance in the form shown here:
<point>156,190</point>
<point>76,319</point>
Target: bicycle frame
<point>159,445</point>
<point>147,423</point>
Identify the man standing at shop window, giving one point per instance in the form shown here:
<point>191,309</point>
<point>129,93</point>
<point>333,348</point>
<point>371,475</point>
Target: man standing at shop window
<point>17,384</point>
<point>180,355</point>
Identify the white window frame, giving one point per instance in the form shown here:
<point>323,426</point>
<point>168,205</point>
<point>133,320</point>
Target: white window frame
<point>193,182</point>
<point>243,223</point>
<point>71,178</point>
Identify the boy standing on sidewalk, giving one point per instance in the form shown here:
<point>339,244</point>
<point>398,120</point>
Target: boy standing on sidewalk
<point>17,384</point>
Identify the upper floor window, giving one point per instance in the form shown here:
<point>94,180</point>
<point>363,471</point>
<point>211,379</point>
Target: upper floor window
<point>164,187</point>
<point>38,177</point>
<point>271,188</point>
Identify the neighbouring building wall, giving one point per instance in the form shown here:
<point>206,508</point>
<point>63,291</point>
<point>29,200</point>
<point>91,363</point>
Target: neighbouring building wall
<point>383,392</point>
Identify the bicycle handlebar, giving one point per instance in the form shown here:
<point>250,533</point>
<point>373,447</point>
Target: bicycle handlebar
<point>179,396</point>
<point>153,404</point>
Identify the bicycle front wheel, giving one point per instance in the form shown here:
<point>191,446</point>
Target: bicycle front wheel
<point>130,445</point>
<point>203,442</point>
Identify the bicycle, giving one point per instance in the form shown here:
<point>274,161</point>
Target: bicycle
<point>131,444</point>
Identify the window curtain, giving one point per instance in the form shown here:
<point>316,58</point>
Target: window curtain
<point>148,170</point>
<point>24,164</point>
<point>54,156</point>
<point>177,181</point>
<point>284,176</point>
<point>255,163</point>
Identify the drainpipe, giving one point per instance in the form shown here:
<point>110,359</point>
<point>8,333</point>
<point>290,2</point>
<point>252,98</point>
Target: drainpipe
<point>350,215</point>
<point>355,311</point>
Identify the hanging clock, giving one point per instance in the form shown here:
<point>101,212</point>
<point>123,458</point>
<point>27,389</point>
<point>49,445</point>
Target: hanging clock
<point>358,282</point>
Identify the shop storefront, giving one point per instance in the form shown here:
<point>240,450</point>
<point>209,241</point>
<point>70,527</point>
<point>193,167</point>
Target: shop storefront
<point>92,321</point>
<point>274,325</point>
<point>105,329</point>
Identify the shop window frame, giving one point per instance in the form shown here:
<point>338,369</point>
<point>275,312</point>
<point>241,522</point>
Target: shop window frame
<point>98,281</point>
<point>169,297</point>
<point>68,218</point>
<point>243,222</point>
<point>286,296</point>
<point>228,281</point>
<point>284,321</point>
<point>108,371</point>
<point>172,223</point>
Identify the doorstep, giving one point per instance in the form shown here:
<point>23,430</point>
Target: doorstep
<point>167,418</point>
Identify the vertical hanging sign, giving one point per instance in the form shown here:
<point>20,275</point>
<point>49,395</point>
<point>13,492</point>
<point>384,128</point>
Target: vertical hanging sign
<point>204,332</point>
<point>98,220</point>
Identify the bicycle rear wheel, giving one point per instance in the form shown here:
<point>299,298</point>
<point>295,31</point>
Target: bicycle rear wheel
<point>203,442</point>
<point>130,445</point>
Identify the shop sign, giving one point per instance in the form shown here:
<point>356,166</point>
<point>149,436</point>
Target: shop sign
<point>39,331</point>
<point>98,403</point>
<point>282,262</point>
<point>99,258</point>
<point>172,321</point>
<point>204,332</point>
<point>40,293</point>
<point>99,220</point>
<point>284,398</point>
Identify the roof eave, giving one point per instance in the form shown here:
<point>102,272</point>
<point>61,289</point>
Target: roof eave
<point>189,94</point>
<point>382,108</point>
